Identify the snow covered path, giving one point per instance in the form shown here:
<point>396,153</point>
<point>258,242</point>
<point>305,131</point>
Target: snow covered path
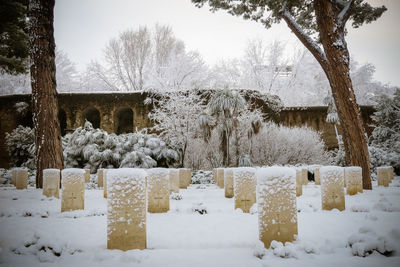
<point>33,232</point>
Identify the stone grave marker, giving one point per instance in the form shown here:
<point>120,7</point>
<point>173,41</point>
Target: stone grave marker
<point>73,189</point>
<point>220,177</point>
<point>126,209</point>
<point>228,182</point>
<point>244,182</point>
<point>87,175</point>
<point>383,176</point>
<point>332,188</point>
<point>21,178</point>
<point>304,175</point>
<point>100,177</point>
<point>51,183</point>
<point>174,180</point>
<point>299,182</point>
<point>277,208</point>
<point>185,177</point>
<point>317,176</point>
<point>353,177</point>
<point>158,190</point>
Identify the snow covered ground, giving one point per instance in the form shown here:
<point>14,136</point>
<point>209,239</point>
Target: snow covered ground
<point>33,232</point>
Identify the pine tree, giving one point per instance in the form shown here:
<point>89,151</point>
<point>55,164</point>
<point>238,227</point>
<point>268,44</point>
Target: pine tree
<point>316,23</point>
<point>43,81</point>
<point>13,36</point>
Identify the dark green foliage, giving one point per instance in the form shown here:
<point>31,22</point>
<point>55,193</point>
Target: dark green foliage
<point>269,12</point>
<point>13,36</point>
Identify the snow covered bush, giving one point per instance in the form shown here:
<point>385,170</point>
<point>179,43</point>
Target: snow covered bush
<point>21,147</point>
<point>283,145</point>
<point>203,177</point>
<point>385,139</point>
<point>95,148</point>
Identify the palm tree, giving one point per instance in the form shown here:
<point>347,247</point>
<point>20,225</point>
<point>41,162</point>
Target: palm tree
<point>225,105</point>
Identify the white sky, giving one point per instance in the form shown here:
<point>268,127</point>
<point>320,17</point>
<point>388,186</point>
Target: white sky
<point>82,28</point>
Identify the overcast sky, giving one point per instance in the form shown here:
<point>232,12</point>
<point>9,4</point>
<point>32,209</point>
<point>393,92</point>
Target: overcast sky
<point>82,28</point>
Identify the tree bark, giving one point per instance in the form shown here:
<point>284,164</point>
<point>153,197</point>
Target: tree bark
<point>331,29</point>
<point>44,94</point>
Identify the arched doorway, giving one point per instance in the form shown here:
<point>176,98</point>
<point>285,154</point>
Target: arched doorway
<point>92,115</point>
<point>62,118</point>
<point>123,120</point>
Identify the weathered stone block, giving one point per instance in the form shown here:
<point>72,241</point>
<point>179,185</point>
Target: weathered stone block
<point>51,183</point>
<point>332,188</point>
<point>228,182</point>
<point>158,190</point>
<point>126,209</point>
<point>245,183</point>
<point>73,189</point>
<point>353,177</point>
<point>277,208</point>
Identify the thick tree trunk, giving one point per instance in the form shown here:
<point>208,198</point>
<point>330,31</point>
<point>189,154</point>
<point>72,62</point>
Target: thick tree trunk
<point>44,94</point>
<point>332,36</point>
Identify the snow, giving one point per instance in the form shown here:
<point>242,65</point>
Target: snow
<point>33,232</point>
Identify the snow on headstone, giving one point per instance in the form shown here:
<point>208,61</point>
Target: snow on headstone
<point>383,176</point>
<point>105,183</point>
<point>353,178</point>
<point>174,180</point>
<point>100,177</point>
<point>220,177</point>
<point>158,190</point>
<point>185,177</point>
<point>126,209</point>
<point>317,176</point>
<point>51,183</point>
<point>332,188</point>
<point>87,175</point>
<point>73,189</point>
<point>244,180</point>
<point>277,208</point>
<point>228,182</point>
<point>304,175</point>
<point>299,182</point>
<point>21,178</point>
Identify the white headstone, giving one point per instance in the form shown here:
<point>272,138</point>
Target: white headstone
<point>73,189</point>
<point>332,188</point>
<point>158,190</point>
<point>51,183</point>
<point>245,183</point>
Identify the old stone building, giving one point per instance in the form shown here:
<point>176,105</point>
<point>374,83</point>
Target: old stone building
<point>126,112</point>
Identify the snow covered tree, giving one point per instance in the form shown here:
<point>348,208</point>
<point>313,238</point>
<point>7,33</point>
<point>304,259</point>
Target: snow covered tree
<point>323,21</point>
<point>175,117</point>
<point>385,138</point>
<point>43,81</point>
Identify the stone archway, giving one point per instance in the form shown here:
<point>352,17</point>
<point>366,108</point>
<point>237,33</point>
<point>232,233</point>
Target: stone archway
<point>92,115</point>
<point>123,120</point>
<point>62,118</point>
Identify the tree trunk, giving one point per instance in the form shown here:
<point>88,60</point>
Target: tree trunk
<point>44,94</point>
<point>335,47</point>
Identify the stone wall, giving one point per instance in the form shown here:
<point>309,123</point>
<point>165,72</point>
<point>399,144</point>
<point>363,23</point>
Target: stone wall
<point>125,112</point>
